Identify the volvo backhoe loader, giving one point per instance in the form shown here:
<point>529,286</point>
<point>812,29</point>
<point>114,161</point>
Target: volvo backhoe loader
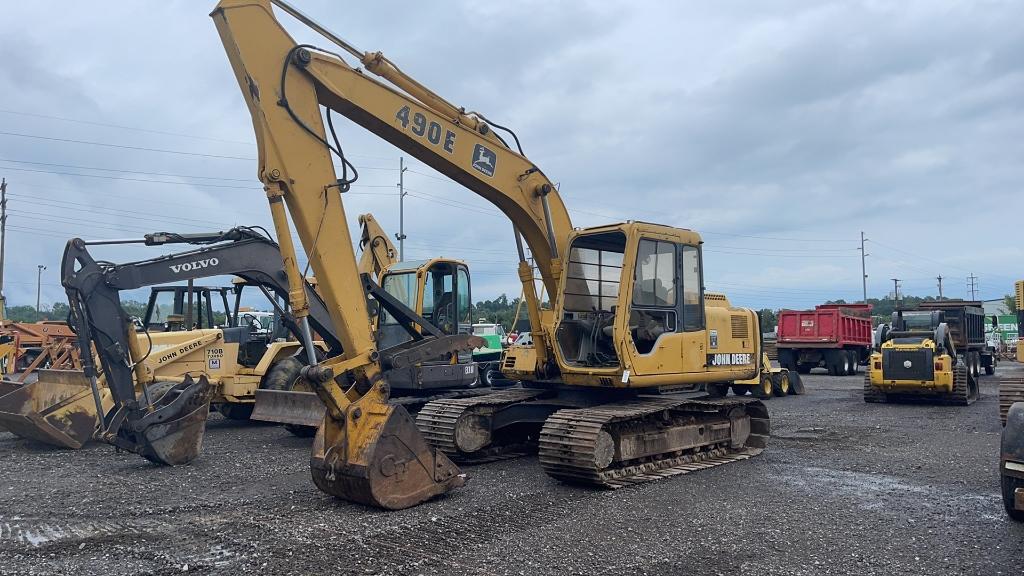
<point>143,382</point>
<point>627,317</point>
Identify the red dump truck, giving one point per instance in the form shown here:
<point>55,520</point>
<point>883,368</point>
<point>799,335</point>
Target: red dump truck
<point>836,337</point>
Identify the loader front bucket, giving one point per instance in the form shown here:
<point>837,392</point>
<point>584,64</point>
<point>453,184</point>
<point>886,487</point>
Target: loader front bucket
<point>289,407</point>
<point>172,433</point>
<point>379,458</point>
<point>57,409</point>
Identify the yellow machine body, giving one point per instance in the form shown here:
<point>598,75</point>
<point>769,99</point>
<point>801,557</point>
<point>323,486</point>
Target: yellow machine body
<point>641,323</point>
<point>941,382</point>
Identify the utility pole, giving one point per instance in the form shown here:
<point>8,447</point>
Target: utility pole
<point>401,209</point>
<point>39,285</point>
<point>896,291</point>
<point>3,238</point>
<point>863,267</point>
<point>973,286</point>
<point>939,278</point>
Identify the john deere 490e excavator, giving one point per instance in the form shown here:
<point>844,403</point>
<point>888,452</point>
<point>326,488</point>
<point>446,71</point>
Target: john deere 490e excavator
<point>627,320</point>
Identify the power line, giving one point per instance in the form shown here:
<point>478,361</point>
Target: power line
<point>126,147</point>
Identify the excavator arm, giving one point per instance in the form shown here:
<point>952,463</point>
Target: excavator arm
<point>167,429</point>
<point>378,251</point>
<point>285,84</point>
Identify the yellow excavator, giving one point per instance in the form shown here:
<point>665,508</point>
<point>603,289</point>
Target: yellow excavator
<point>439,290</point>
<point>627,328</point>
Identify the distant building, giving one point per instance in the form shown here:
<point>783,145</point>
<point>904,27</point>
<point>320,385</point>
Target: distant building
<point>996,307</point>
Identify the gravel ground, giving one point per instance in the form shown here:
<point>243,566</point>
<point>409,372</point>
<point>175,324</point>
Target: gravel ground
<point>844,488</point>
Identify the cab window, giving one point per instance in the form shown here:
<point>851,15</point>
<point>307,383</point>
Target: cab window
<point>693,300</point>
<point>653,310</point>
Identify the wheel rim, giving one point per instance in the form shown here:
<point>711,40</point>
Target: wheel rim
<point>784,383</point>
<point>766,386</point>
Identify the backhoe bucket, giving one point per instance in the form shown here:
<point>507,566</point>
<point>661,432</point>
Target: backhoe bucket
<point>380,459</point>
<point>289,407</point>
<point>57,409</point>
<point>172,433</point>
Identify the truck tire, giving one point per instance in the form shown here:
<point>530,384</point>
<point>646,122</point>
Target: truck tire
<point>854,361</point>
<point>834,363</point>
<point>991,368</point>
<point>787,358</point>
<point>804,368</point>
<point>976,365</point>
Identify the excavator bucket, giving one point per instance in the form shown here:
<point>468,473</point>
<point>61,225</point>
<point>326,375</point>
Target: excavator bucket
<point>379,458</point>
<point>289,407</point>
<point>57,409</point>
<point>172,433</point>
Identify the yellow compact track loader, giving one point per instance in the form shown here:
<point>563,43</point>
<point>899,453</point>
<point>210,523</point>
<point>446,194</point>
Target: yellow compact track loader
<point>627,328</point>
<point>917,358</point>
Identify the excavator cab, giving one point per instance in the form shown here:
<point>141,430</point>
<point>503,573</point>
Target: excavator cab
<point>437,289</point>
<point>632,309</point>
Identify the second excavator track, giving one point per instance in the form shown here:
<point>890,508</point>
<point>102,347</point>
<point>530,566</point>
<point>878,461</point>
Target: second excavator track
<point>438,422</point>
<point>574,447</point>
<point>1010,390</point>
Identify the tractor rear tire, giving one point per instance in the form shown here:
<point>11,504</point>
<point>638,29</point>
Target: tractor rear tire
<point>282,376</point>
<point>1009,485</point>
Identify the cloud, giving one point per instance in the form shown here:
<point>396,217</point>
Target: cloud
<point>779,131</point>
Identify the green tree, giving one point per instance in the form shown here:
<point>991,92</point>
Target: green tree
<point>1011,303</point>
<point>769,319</point>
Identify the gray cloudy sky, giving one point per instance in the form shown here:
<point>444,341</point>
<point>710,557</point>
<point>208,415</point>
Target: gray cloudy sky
<point>779,130</point>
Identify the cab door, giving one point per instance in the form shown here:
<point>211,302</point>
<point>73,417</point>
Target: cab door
<point>654,321</point>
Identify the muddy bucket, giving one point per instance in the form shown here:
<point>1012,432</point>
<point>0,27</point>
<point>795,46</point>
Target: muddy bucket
<point>380,459</point>
<point>58,409</point>
<point>172,433</point>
